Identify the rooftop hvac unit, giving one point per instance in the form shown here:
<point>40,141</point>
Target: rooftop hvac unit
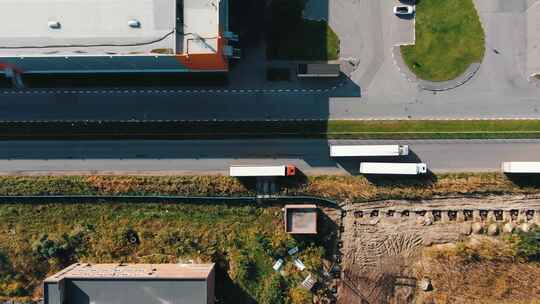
<point>134,23</point>
<point>54,25</point>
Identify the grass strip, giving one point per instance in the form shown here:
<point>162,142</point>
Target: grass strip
<point>334,129</point>
<point>339,188</point>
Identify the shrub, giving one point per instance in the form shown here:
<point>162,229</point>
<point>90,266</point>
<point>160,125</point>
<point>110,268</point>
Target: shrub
<point>65,250</point>
<point>528,246</point>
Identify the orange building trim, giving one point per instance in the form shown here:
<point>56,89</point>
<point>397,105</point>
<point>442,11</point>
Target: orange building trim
<point>4,66</point>
<point>206,62</point>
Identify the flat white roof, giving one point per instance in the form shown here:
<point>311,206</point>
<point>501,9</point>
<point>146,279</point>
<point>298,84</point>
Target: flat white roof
<point>201,26</point>
<point>100,27</point>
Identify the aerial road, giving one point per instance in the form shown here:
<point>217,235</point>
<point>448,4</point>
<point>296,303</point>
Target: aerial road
<point>199,157</point>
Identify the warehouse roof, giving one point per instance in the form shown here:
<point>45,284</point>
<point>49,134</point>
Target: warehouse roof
<point>106,27</point>
<point>133,271</point>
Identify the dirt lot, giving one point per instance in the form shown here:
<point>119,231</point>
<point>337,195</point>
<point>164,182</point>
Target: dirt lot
<point>383,241</point>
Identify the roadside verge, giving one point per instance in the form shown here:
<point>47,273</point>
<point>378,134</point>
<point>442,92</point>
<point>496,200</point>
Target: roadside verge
<point>214,129</point>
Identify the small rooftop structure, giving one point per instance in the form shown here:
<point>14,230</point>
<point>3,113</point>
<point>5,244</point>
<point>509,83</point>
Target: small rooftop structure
<point>301,219</point>
<point>139,283</point>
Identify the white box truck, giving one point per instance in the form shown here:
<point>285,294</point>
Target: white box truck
<point>521,167</point>
<point>245,171</point>
<point>393,168</point>
<point>368,150</point>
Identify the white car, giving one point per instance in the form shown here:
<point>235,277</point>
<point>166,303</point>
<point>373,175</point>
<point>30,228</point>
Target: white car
<point>278,264</point>
<point>403,9</point>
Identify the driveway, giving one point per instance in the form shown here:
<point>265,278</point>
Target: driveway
<point>369,30</point>
<point>533,39</point>
<point>402,26</point>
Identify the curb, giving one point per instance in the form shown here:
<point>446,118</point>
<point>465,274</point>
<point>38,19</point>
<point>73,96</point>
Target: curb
<point>451,84</point>
<point>432,85</point>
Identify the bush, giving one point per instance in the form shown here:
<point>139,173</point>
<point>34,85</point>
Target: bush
<point>65,250</point>
<point>528,246</point>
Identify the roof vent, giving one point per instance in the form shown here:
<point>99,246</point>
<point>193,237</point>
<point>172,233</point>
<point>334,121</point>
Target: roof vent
<point>134,23</point>
<point>54,25</point>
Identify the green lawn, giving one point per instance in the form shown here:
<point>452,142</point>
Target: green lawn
<point>466,129</point>
<point>38,240</point>
<point>449,37</point>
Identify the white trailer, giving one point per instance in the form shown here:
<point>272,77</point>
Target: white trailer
<point>393,168</point>
<point>368,150</point>
<point>521,167</point>
<point>246,171</point>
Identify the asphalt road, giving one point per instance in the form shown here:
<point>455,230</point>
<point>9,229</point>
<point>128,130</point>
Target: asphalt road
<point>214,157</point>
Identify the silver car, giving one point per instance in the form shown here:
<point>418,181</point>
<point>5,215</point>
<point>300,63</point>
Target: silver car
<point>403,9</point>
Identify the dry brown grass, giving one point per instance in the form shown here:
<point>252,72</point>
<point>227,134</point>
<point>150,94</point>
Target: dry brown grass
<point>189,185</point>
<point>357,189</point>
<point>340,188</point>
<point>483,272</point>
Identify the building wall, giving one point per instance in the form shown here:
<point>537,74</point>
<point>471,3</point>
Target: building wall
<point>52,293</point>
<point>136,292</point>
<point>128,292</point>
<point>97,64</point>
<point>210,286</point>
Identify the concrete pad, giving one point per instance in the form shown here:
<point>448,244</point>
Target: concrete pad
<point>533,39</point>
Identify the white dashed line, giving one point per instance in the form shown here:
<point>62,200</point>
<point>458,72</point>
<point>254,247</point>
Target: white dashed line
<point>171,91</point>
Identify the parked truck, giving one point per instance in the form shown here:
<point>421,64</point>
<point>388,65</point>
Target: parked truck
<point>245,171</point>
<point>521,167</point>
<point>368,150</point>
<point>393,168</point>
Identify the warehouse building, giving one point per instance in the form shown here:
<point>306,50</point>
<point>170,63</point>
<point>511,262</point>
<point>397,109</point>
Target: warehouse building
<point>100,36</point>
<point>131,284</point>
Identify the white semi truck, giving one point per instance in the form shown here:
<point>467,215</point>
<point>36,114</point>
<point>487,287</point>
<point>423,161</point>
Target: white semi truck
<point>368,150</point>
<point>247,171</point>
<point>393,168</point>
<point>521,167</point>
